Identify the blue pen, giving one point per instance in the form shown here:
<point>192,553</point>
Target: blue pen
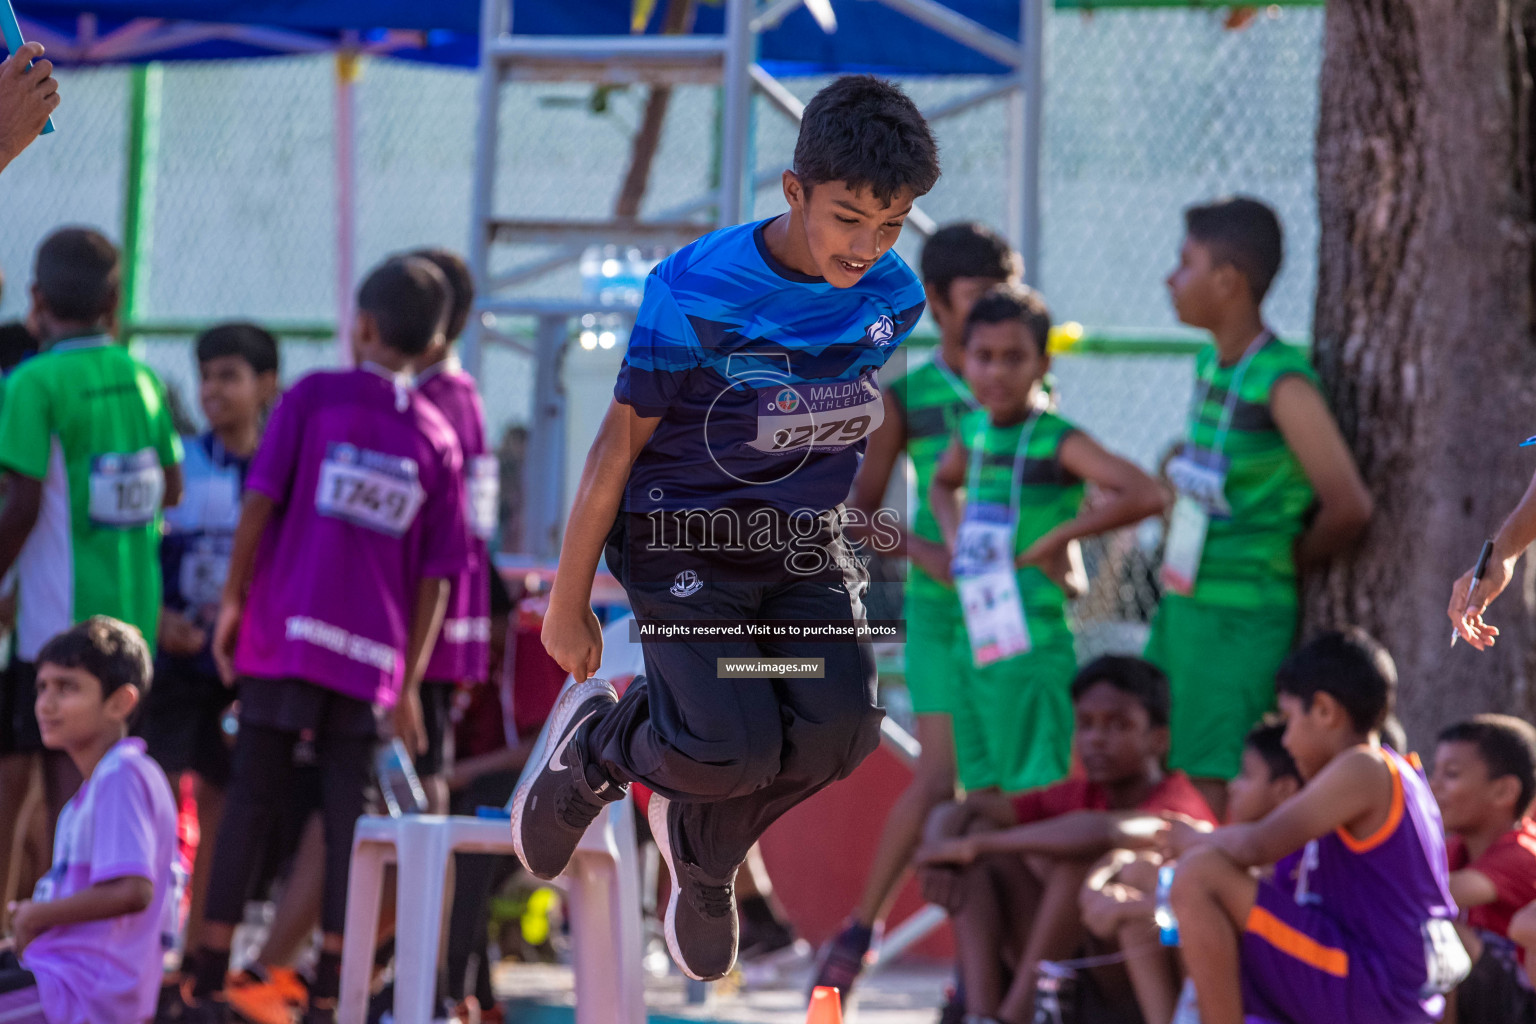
<point>10,28</point>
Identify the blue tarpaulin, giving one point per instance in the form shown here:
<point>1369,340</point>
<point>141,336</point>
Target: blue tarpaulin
<point>869,37</point>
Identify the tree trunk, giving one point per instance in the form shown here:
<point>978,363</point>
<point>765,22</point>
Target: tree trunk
<point>1424,333</point>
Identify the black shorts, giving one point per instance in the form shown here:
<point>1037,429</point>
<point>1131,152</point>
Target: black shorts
<point>182,721</point>
<point>18,702</point>
<point>1497,991</point>
<point>436,717</point>
<point>312,711</point>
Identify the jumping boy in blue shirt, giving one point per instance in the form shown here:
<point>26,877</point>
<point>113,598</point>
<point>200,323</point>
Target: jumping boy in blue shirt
<point>715,486</point>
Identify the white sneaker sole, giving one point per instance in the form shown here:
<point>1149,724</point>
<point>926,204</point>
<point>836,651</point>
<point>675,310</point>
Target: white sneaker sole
<point>571,698</point>
<point>656,815</point>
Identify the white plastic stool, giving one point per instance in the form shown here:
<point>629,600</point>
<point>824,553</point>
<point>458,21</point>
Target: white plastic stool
<point>602,887</point>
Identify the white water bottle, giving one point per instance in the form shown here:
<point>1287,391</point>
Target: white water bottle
<point>398,782</point>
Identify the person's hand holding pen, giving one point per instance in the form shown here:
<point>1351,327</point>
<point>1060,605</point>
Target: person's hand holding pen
<point>1471,596</point>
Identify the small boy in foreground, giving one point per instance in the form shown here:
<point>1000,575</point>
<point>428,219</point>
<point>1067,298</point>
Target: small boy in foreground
<point>1367,934</point>
<point>1023,859</point>
<point>90,941</point>
<point>1484,780</point>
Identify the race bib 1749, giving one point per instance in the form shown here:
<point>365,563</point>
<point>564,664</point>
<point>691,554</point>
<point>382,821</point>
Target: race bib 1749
<point>827,417</point>
<point>370,489</point>
<point>126,490</point>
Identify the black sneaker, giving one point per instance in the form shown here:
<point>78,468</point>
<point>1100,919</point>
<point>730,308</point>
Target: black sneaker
<point>555,802</point>
<point>702,929</point>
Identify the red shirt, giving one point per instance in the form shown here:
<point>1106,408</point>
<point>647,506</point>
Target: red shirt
<point>1510,864</point>
<point>1174,794</point>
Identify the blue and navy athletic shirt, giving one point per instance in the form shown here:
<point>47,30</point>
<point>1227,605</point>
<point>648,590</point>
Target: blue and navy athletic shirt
<point>764,378</point>
<point>199,536</point>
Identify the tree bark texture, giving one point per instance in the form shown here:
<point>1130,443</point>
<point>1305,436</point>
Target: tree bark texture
<point>1424,329</point>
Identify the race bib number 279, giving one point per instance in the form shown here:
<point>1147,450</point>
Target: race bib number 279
<point>370,489</point>
<point>827,417</point>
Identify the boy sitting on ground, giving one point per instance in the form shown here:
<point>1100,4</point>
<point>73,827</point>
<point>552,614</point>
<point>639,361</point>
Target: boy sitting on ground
<point>1009,869</point>
<point>90,940</point>
<point>1484,780</point>
<point>1119,901</point>
<point>1367,933</point>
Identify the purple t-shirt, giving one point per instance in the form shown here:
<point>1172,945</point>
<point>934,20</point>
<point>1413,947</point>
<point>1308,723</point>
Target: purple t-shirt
<point>121,824</point>
<point>462,653</point>
<point>369,491</point>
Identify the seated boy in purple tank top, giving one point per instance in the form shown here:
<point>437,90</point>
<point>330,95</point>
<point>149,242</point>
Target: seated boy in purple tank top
<point>1367,933</point>
<point>351,527</point>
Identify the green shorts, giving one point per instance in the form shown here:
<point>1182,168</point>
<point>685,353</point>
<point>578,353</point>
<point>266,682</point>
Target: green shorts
<point>936,647</point>
<point>1013,719</point>
<point>1221,665</point>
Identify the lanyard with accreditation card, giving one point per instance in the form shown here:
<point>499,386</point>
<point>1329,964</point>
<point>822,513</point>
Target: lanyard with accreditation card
<point>984,571</point>
<point>1199,476</point>
<point>10,28</point>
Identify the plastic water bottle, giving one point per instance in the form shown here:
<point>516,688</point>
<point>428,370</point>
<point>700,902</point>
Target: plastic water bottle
<point>1167,923</point>
<point>398,782</point>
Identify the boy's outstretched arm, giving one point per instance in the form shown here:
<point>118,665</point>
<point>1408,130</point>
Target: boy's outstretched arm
<point>1130,495</point>
<point>1344,505</point>
<point>571,633</point>
<point>255,513</point>
<point>114,898</point>
<point>1354,793</point>
<point>1466,610</point>
<point>1079,834</point>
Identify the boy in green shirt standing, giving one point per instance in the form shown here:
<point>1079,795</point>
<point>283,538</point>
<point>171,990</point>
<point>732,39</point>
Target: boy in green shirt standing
<point>90,459</point>
<point>1262,452</point>
<point>922,412</point>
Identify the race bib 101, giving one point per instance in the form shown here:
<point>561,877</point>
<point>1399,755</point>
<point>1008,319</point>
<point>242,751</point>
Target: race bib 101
<point>483,495</point>
<point>126,490</point>
<point>370,489</point>
<point>826,417</point>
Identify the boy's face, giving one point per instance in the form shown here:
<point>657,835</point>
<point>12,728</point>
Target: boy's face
<point>1003,363</point>
<point>232,393</point>
<point>1310,730</point>
<point>1200,286</point>
<point>1116,739</point>
<point>1469,799</point>
<point>1255,792</point>
<point>845,231</point>
<point>952,310</point>
<point>71,713</point>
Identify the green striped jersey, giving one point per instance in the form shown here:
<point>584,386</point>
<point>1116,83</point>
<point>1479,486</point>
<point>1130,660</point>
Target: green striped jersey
<point>1249,558</point>
<point>1049,493</point>
<point>92,423</point>
<point>933,399</point>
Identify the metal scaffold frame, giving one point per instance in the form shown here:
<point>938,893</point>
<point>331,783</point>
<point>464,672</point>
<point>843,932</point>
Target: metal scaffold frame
<point>729,60</point>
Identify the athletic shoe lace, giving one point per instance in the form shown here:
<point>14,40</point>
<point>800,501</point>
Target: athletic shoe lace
<point>708,899</point>
<point>575,808</point>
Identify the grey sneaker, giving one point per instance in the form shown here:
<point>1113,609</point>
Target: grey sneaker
<point>556,798</point>
<point>701,923</point>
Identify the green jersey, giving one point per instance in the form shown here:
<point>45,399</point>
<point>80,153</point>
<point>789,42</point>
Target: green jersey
<point>1019,466</point>
<point>92,423</point>
<point>932,399</point>
<point>1249,556</point>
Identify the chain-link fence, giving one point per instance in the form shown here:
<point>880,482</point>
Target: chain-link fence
<point>1146,111</point>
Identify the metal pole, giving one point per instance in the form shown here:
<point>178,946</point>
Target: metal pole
<point>736,118</point>
<point>544,465</point>
<point>495,19</point>
<point>347,68</point>
<point>1032,37</point>
<point>144,104</point>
